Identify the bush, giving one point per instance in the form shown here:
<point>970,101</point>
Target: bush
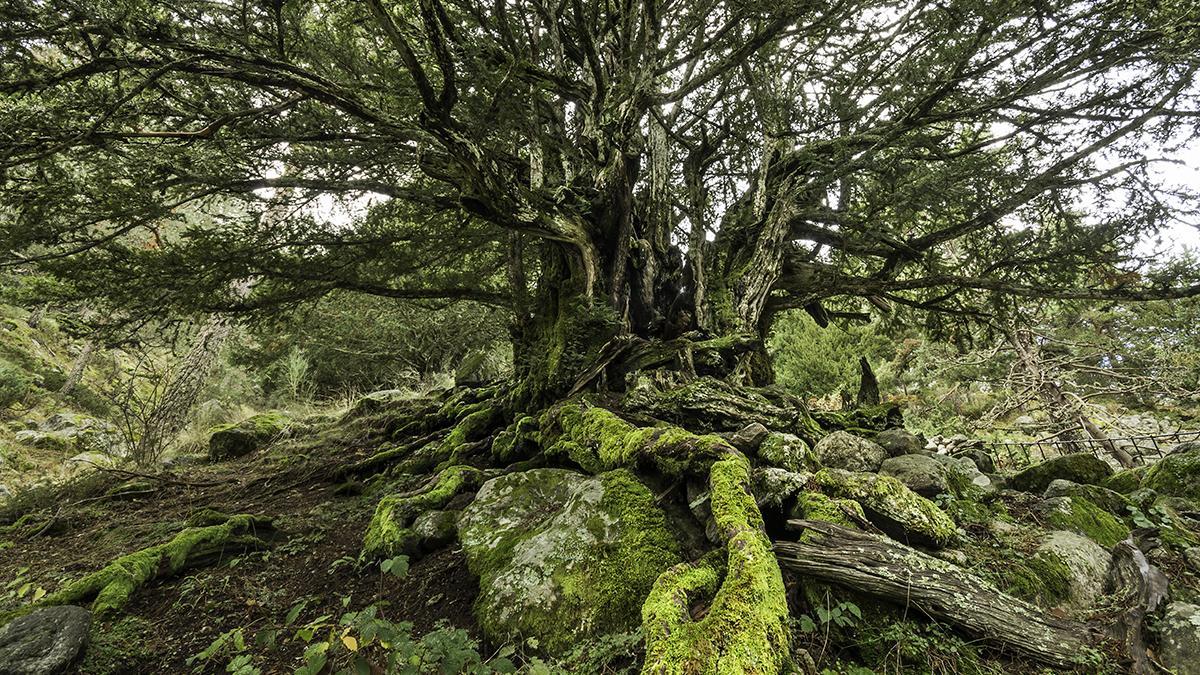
<point>14,384</point>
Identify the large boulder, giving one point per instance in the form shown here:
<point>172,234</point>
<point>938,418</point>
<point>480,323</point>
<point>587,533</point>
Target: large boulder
<point>1113,502</point>
<point>1179,638</point>
<point>229,441</point>
<point>1077,468</point>
<point>1177,474</point>
<point>933,475</point>
<point>922,474</point>
<point>44,642</point>
<point>1086,562</point>
<point>900,442</point>
<point>844,450</point>
<point>890,506</point>
<point>563,557</point>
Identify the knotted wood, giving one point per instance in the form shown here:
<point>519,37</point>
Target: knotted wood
<point>888,570</point>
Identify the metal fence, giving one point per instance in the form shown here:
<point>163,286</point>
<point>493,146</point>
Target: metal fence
<point>1144,449</point>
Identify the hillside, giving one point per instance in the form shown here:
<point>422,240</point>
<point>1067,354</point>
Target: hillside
<point>288,586</point>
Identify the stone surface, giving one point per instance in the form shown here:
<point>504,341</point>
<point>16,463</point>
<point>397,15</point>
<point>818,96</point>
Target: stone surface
<point>749,438</point>
<point>44,642</point>
<point>435,529</point>
<point>786,451</point>
<point>1113,502</point>
<point>1179,643</point>
<point>922,474</point>
<point>774,486</point>
<point>1078,468</point>
<point>1177,474</point>
<point>980,458</point>
<point>843,450</point>
<point>900,442</point>
<point>1192,558</point>
<point>563,557</point>
<point>1087,561</point>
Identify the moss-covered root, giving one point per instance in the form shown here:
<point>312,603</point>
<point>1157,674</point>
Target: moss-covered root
<point>746,627</point>
<point>389,533</point>
<point>112,585</point>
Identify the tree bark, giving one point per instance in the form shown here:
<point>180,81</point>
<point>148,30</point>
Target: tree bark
<point>868,386</point>
<point>891,571</point>
<point>76,374</point>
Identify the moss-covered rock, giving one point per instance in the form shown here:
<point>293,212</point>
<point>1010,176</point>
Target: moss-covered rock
<point>1077,468</point>
<point>1113,502</point>
<point>1041,578</point>
<point>1177,474</point>
<point>786,451</point>
<point>933,475</point>
<point>899,442</point>
<point>1179,638</point>
<point>1125,481</point>
<point>891,506</point>
<point>1078,515</point>
<point>562,556</point>
<point>1086,561</point>
<point>391,530</point>
<point>844,450</point>
<point>229,441</point>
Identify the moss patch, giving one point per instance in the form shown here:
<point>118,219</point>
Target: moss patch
<point>1177,474</point>
<point>389,531</point>
<point>1078,468</point>
<point>891,505</point>
<point>1077,514</point>
<point>228,441</point>
<point>1125,481</point>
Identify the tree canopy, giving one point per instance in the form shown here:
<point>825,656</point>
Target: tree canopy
<point>683,165</point>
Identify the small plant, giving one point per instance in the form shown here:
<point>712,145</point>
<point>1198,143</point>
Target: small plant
<point>14,384</point>
<point>397,567</point>
<point>22,590</point>
<point>231,644</point>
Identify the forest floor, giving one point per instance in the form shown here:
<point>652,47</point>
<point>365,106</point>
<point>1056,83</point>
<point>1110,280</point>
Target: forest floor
<point>312,563</point>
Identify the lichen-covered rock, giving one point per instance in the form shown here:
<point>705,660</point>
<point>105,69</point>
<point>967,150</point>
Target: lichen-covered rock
<point>1078,468</point>
<point>978,457</point>
<point>933,475</point>
<point>891,506</point>
<point>1087,562</point>
<point>229,441</point>
<point>1177,474</point>
<point>899,442</point>
<point>1113,502</point>
<point>920,473</point>
<point>44,642</point>
<point>786,451</point>
<point>844,450</point>
<point>562,556</point>
<point>434,529</point>
<point>1179,642</point>
<point>773,486</point>
<point>1083,517</point>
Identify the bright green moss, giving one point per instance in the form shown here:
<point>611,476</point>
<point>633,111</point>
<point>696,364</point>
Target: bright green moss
<point>1079,515</point>
<point>388,532</point>
<point>892,504</point>
<point>1080,468</point>
<point>825,509</point>
<point>1177,474</point>
<point>597,439</point>
<point>1042,578</point>
<point>112,586</point>
<point>1125,481</point>
<point>746,627</point>
<point>235,440</point>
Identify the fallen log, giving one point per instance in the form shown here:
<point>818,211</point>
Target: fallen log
<point>888,570</point>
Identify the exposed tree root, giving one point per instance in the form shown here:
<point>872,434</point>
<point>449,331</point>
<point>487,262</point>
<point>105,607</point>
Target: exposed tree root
<point>111,586</point>
<point>389,532</point>
<point>745,629</point>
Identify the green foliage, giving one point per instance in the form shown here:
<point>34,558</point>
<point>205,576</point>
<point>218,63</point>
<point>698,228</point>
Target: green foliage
<point>14,384</point>
<point>349,342</point>
<point>814,361</point>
